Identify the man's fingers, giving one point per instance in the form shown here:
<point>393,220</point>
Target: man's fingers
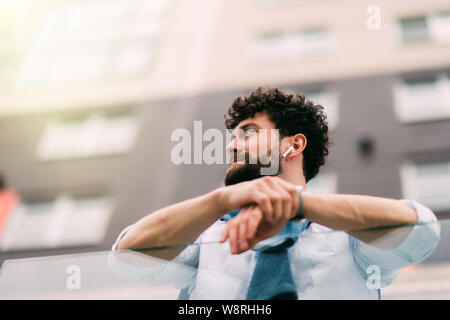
<point>225,234</point>
<point>289,187</point>
<point>239,229</point>
<point>286,204</point>
<point>287,207</point>
<point>263,200</point>
<point>278,199</point>
<point>233,237</point>
<point>290,196</point>
<point>242,232</point>
<point>254,221</point>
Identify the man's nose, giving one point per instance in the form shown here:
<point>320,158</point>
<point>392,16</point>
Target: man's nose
<point>234,147</point>
<point>231,144</point>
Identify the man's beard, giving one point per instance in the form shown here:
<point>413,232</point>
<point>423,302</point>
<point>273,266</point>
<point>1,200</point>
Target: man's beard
<point>246,171</point>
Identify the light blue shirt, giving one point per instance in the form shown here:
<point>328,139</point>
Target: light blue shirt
<point>325,264</point>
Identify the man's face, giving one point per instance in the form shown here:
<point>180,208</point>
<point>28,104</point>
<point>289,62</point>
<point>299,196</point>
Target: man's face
<point>254,150</point>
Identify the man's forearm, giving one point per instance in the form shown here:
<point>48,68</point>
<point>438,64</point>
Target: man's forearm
<point>176,224</point>
<point>183,222</point>
<point>356,212</point>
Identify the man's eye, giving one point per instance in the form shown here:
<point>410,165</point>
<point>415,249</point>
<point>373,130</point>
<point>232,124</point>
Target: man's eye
<point>250,133</point>
<point>243,134</point>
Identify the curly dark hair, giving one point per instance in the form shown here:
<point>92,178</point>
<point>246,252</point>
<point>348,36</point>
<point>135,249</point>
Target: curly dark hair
<point>291,114</point>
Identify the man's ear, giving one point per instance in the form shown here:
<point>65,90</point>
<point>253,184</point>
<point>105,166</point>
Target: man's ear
<point>299,144</point>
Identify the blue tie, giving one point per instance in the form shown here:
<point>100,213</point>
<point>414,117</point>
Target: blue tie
<point>272,278</point>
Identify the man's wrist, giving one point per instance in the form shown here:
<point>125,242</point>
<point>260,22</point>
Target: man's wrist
<point>218,197</point>
<point>300,211</point>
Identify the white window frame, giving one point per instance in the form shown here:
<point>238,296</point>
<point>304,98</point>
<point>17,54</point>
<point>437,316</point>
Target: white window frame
<point>288,49</point>
<point>61,216</point>
<point>438,30</point>
<point>89,138</point>
<point>410,189</point>
<point>399,30</point>
<point>401,102</point>
<point>330,178</point>
<point>331,104</point>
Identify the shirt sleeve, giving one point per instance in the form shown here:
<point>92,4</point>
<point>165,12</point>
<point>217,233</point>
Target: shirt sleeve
<point>180,271</point>
<point>121,235</point>
<point>418,245</point>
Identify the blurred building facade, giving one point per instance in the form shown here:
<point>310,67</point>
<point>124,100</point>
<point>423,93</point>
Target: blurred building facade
<point>92,91</point>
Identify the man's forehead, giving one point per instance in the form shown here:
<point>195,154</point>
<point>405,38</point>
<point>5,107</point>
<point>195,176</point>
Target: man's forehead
<point>260,120</point>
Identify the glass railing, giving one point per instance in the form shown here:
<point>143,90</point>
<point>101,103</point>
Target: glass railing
<point>395,262</point>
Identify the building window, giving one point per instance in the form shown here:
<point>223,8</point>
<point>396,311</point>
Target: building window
<point>325,183</point>
<point>61,222</point>
<point>423,99</point>
<point>440,26</point>
<point>293,44</point>
<point>435,27</point>
<point>327,98</point>
<point>79,43</point>
<point>84,136</point>
<point>329,101</point>
<point>414,29</point>
<point>428,183</point>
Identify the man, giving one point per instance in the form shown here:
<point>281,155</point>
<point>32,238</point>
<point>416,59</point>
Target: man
<point>317,263</point>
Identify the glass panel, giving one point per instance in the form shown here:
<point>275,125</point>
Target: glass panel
<point>440,26</point>
<point>404,261</point>
<point>421,85</point>
<point>433,169</point>
<point>414,29</point>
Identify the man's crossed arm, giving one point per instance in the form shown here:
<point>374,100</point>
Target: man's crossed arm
<point>266,204</point>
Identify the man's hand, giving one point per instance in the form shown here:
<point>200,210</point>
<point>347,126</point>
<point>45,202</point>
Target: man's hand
<point>267,205</point>
<point>276,197</point>
<point>248,228</point>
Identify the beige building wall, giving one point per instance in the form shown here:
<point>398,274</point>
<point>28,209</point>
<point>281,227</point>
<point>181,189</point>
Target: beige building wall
<point>206,48</point>
<point>357,50</point>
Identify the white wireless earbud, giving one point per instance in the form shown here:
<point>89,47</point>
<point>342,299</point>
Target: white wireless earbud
<point>291,148</point>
